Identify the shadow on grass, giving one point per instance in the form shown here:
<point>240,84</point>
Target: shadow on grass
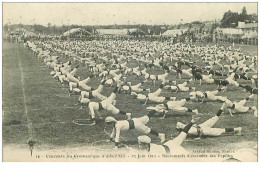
<point>13,122</point>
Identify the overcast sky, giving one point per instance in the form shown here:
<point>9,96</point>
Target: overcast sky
<point>117,13</point>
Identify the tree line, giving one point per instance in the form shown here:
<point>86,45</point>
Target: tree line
<point>230,20</point>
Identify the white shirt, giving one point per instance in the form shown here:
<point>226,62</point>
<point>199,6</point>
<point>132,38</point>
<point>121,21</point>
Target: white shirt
<point>120,125</point>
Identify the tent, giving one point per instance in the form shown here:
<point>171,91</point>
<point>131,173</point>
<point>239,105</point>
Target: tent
<point>247,26</point>
<point>29,34</point>
<point>135,31</point>
<point>18,31</point>
<point>250,34</point>
<point>174,32</point>
<point>72,31</point>
<point>230,31</point>
<point>112,31</point>
<point>75,31</point>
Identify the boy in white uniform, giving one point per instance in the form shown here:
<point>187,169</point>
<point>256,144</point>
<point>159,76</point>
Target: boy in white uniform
<point>135,123</point>
<point>155,96</point>
<point>134,88</point>
<point>66,76</point>
<point>85,96</point>
<point>107,104</point>
<point>174,106</point>
<point>152,96</point>
<point>227,81</point>
<point>133,70</point>
<point>107,72</point>
<point>80,85</point>
<point>210,95</point>
<point>180,87</point>
<point>187,72</point>
<point>114,79</point>
<point>170,147</point>
<point>231,80</point>
<point>238,106</point>
<point>161,78</point>
<point>62,72</point>
<point>206,78</point>
<point>206,128</point>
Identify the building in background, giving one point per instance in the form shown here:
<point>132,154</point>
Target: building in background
<point>120,32</point>
<point>76,33</point>
<point>250,29</point>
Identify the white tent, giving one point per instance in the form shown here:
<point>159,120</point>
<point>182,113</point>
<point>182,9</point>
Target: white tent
<point>135,30</point>
<point>231,31</point>
<point>74,31</point>
<point>30,34</point>
<point>18,31</point>
<point>250,34</point>
<point>112,31</point>
<point>174,32</point>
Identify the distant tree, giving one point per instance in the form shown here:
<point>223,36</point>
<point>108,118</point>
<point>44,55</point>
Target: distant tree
<point>229,19</point>
<point>244,12</point>
<point>252,18</point>
<point>5,28</point>
<point>49,25</point>
<point>213,27</point>
<point>196,22</point>
<point>243,16</point>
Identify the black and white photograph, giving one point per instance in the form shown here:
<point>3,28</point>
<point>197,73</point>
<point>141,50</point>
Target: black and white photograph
<point>130,82</point>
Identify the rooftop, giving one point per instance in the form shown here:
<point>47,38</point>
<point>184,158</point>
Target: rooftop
<point>248,26</point>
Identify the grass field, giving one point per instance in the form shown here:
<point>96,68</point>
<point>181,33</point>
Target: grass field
<point>33,99</point>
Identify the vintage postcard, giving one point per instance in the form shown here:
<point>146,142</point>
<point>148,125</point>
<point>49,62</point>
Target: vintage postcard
<point>137,82</point>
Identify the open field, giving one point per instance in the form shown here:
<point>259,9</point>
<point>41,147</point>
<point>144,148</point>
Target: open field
<point>33,100</point>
